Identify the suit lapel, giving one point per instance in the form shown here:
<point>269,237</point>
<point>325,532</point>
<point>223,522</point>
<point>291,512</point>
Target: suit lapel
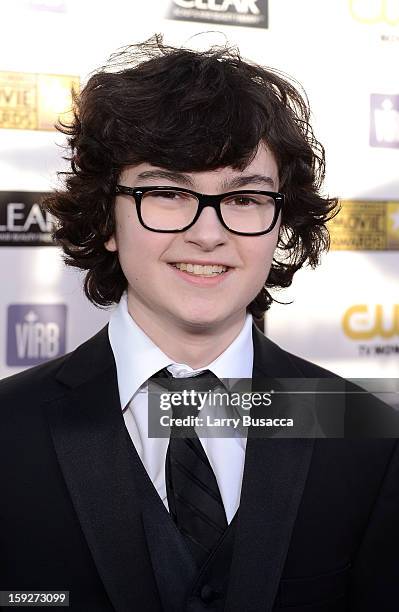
<point>99,465</point>
<point>275,472</point>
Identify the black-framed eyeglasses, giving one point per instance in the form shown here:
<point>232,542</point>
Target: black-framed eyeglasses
<point>246,212</point>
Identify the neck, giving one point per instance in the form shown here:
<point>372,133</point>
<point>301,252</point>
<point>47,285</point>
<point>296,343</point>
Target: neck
<point>196,345</point>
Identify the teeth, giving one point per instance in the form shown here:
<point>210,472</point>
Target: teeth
<point>201,270</point>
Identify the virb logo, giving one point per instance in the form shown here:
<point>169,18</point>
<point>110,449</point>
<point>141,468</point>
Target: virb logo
<point>35,333</point>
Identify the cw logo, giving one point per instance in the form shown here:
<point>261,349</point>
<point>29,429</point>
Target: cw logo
<point>360,323</point>
<point>371,12</point>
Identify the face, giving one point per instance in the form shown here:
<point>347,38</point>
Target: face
<point>157,290</point>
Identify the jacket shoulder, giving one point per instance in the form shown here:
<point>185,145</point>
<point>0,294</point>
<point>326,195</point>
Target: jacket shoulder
<point>280,363</point>
<point>42,382</point>
<point>366,415</point>
<point>34,380</point>
<point>310,369</point>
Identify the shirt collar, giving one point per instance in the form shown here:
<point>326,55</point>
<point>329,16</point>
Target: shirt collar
<point>137,357</point>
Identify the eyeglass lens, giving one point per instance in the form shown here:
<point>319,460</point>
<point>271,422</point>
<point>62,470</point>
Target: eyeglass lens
<point>174,210</point>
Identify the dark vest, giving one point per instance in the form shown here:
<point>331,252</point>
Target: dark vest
<point>198,589</point>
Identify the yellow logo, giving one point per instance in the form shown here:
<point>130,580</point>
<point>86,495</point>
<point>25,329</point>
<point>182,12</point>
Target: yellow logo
<point>365,226</point>
<point>34,101</point>
<point>371,12</point>
<point>393,225</point>
<point>363,323</point>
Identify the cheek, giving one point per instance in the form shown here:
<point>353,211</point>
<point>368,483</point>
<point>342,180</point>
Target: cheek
<point>141,252</point>
<point>259,256</point>
<point>131,251</point>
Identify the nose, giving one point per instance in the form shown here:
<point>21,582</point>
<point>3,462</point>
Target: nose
<point>207,231</point>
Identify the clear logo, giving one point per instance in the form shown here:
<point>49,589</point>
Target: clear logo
<point>250,13</point>
<point>22,220</point>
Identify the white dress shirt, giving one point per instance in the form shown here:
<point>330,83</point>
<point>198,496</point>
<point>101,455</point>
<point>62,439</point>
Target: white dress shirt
<point>137,359</point>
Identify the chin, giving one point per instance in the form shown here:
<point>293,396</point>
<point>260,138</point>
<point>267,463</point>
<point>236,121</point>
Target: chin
<point>198,318</point>
<point>201,321</point>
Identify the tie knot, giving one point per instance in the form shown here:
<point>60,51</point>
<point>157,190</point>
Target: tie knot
<point>187,408</point>
<point>206,381</point>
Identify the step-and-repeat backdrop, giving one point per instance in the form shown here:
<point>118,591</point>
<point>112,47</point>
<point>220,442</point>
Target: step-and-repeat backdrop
<point>345,314</point>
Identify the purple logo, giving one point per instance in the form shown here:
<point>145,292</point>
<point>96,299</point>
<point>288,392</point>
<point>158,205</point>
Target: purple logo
<point>35,333</point>
<point>57,6</point>
<point>384,120</point>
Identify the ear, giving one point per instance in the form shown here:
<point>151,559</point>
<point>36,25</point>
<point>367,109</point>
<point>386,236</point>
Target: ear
<point>111,245</point>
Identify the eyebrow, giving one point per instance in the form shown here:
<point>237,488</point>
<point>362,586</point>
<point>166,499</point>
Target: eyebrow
<point>233,183</point>
<point>246,179</point>
<point>169,175</point>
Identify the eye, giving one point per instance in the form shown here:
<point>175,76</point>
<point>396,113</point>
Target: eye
<point>244,200</point>
<point>168,195</point>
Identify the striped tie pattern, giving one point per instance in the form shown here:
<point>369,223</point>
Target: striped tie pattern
<point>194,499</point>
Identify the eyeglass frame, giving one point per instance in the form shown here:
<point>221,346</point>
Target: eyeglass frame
<point>203,200</point>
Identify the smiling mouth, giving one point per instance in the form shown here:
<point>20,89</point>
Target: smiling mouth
<point>199,270</point>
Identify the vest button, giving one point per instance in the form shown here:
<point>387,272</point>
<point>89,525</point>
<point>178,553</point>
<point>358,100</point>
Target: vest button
<point>208,594</point>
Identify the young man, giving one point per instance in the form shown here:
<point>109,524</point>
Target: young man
<point>193,190</point>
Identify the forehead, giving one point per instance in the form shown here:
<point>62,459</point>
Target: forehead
<point>262,171</point>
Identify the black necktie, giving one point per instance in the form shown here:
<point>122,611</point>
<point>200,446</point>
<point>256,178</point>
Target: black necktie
<point>194,499</point>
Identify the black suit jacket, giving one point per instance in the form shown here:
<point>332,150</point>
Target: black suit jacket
<point>317,531</point>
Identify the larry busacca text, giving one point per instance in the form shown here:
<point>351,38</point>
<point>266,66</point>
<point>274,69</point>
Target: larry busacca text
<point>205,405</point>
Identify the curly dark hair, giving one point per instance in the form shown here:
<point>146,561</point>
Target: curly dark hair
<point>188,111</point>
